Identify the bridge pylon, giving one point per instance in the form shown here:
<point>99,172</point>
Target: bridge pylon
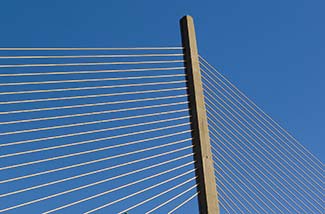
<point>207,192</point>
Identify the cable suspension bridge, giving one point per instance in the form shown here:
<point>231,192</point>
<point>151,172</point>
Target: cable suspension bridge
<point>142,130</point>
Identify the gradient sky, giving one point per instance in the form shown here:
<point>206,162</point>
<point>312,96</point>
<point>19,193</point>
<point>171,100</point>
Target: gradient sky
<point>274,51</point>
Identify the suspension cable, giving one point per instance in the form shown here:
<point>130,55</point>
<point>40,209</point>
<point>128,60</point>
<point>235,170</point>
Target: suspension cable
<point>183,203</point>
<point>223,186</point>
<point>92,104</point>
<point>226,203</point>
<point>90,71</point>
<point>91,96</point>
<point>92,184</point>
<point>171,199</point>
<point>98,139</point>
<point>86,163</point>
<point>280,163</point>
<point>160,194</point>
<point>247,161</point>
<point>92,63</point>
<point>251,119</point>
<point>100,121</point>
<point>92,80</point>
<point>237,92</point>
<point>92,87</point>
<point>118,188</point>
<point>101,170</point>
<point>89,132</point>
<point>222,192</point>
<point>244,183</point>
<point>91,49</point>
<point>258,163</point>
<point>91,113</point>
<point>274,171</point>
<point>88,56</point>
<point>141,191</point>
<point>64,156</point>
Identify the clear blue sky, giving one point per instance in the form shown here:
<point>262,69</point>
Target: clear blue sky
<point>273,50</point>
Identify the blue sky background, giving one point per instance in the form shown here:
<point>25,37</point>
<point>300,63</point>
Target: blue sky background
<point>273,51</point>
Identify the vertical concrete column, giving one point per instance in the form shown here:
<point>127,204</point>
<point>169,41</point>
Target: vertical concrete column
<point>208,200</point>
